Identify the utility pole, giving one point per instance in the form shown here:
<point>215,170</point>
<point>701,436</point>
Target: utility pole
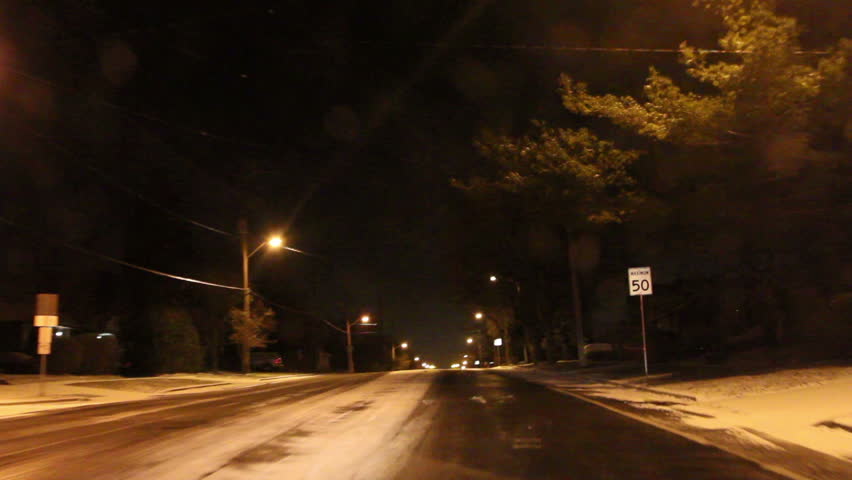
<point>243,230</point>
<point>349,347</point>
<point>578,307</point>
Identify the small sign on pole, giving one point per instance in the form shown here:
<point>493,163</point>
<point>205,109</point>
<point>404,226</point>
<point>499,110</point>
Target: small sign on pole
<point>639,283</point>
<point>46,317</point>
<point>47,310</point>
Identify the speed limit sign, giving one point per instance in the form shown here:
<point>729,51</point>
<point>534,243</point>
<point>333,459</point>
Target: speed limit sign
<point>639,281</point>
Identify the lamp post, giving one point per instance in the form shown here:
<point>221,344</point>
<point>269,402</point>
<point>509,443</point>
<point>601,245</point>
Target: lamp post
<point>403,346</point>
<point>477,316</point>
<point>364,320</point>
<point>272,242</point>
<point>517,302</point>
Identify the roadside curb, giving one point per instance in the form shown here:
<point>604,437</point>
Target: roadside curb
<point>651,390</point>
<point>37,402</point>
<point>596,376</point>
<point>190,387</point>
<point>279,377</point>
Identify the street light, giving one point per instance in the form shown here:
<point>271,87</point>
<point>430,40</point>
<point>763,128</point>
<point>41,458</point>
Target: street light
<point>403,346</point>
<point>517,307</point>
<point>273,242</point>
<point>416,359</point>
<point>364,320</point>
<point>478,315</point>
<point>469,340</point>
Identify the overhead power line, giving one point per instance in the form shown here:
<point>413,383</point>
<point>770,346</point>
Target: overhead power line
<point>115,183</point>
<point>566,48</point>
<point>43,237</point>
<point>145,199</point>
<point>296,310</point>
<point>201,132</point>
<point>304,252</point>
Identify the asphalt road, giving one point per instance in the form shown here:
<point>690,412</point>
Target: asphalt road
<point>467,425</point>
<point>487,426</point>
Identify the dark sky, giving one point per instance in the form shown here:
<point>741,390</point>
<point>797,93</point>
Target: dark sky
<point>340,122</point>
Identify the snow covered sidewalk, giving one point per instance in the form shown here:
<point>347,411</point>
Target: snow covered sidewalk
<point>20,394</point>
<point>777,411</point>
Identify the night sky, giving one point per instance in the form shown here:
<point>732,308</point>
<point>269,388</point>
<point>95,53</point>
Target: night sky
<point>339,123</point>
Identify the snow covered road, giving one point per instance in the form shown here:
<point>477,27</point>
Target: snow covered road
<point>335,426</point>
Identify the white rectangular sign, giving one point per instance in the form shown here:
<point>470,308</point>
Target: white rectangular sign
<point>639,281</point>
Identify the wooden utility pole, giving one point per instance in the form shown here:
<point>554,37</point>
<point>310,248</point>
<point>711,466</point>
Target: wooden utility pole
<point>245,354</point>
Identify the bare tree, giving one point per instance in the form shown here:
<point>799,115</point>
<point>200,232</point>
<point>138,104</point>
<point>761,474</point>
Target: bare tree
<point>251,331</point>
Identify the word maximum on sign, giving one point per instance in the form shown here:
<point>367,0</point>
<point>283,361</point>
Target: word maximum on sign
<point>639,281</point>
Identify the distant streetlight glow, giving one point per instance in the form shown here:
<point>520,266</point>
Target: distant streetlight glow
<point>365,319</point>
<point>492,278</point>
<point>478,315</point>
<point>403,345</point>
<point>416,359</point>
<point>469,340</point>
<point>275,242</point>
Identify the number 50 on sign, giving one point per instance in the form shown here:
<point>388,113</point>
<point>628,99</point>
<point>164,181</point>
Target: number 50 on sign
<point>639,281</point>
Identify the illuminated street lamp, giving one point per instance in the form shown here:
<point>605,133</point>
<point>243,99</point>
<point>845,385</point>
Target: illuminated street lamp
<point>416,359</point>
<point>469,340</point>
<point>364,320</point>
<point>478,315</point>
<point>403,346</point>
<point>272,242</point>
<point>517,305</point>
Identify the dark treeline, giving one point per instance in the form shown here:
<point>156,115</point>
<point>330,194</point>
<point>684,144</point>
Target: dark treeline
<point>735,186</point>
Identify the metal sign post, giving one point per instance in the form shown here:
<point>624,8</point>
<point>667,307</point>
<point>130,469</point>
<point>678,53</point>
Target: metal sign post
<point>639,283</point>
<point>46,317</point>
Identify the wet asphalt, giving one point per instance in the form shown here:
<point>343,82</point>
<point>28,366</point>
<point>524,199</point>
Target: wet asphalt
<point>488,426</point>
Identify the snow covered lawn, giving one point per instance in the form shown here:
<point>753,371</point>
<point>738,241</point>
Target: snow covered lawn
<point>22,393</point>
